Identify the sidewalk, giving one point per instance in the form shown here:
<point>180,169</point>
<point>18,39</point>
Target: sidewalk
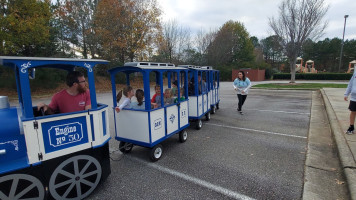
<point>338,114</point>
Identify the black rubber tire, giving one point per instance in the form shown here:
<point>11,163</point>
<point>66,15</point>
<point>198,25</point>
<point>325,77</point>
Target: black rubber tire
<point>198,124</point>
<point>213,110</point>
<point>207,116</point>
<point>183,135</point>
<point>156,152</point>
<point>125,147</point>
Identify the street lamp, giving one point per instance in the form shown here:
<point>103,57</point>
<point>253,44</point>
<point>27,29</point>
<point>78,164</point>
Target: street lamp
<point>342,44</point>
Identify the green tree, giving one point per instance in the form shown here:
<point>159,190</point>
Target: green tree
<point>24,26</point>
<point>349,53</point>
<point>127,29</point>
<point>143,28</point>
<point>254,41</point>
<point>231,46</point>
<point>76,20</point>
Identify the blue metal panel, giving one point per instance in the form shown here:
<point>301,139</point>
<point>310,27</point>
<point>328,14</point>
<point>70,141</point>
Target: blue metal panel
<point>149,127</point>
<point>94,104</point>
<point>104,122</point>
<point>169,79</point>
<point>165,120</point>
<point>146,79</point>
<point>113,88</point>
<point>56,115</point>
<point>26,94</point>
<point>12,141</point>
<point>92,127</point>
<point>62,134</point>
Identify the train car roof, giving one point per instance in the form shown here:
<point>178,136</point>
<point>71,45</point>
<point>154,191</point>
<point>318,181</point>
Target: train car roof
<point>63,63</point>
<point>50,59</point>
<point>152,65</point>
<point>193,67</point>
<point>44,61</point>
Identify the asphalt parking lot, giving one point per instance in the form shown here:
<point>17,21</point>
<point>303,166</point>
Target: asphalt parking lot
<point>259,155</point>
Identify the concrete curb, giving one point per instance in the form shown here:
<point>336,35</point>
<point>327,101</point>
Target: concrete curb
<point>345,154</point>
<point>263,88</point>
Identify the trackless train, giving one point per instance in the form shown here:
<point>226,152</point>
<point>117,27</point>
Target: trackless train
<point>66,155</point>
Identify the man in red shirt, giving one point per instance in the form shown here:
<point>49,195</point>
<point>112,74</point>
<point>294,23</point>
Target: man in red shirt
<point>75,98</point>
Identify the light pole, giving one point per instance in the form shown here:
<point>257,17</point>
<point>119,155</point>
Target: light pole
<point>342,44</point>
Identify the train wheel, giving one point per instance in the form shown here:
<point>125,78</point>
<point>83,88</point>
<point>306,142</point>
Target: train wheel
<point>75,178</point>
<point>183,135</point>
<point>198,124</point>
<point>21,186</point>
<point>207,116</point>
<point>156,152</point>
<point>213,110</point>
<point>125,147</point>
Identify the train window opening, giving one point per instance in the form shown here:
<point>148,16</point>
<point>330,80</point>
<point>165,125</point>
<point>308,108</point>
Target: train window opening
<point>130,85</point>
<point>156,89</point>
<point>53,81</point>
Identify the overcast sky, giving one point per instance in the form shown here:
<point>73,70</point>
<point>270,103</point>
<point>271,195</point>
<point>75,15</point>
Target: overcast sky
<point>254,14</point>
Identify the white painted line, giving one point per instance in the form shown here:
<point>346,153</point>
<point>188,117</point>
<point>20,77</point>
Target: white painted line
<point>248,129</point>
<point>278,111</point>
<point>197,181</point>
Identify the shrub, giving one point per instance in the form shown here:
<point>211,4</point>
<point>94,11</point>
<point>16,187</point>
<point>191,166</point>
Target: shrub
<point>314,76</point>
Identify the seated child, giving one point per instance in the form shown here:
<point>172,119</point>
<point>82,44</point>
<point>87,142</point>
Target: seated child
<point>168,97</point>
<point>156,99</point>
<point>175,88</point>
<point>129,93</point>
<point>140,104</point>
<point>182,98</point>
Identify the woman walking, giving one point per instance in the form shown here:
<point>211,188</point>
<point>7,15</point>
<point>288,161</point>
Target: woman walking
<point>241,84</point>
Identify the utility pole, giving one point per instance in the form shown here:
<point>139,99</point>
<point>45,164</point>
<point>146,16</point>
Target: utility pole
<point>342,44</point>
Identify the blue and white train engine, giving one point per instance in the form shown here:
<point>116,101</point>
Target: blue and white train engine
<point>60,156</point>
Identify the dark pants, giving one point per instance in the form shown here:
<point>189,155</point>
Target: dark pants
<point>242,99</point>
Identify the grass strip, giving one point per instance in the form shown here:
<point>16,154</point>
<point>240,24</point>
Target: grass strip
<point>300,85</point>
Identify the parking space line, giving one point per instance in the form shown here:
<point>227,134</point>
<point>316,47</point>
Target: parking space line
<point>248,129</point>
<point>279,111</point>
<point>194,180</point>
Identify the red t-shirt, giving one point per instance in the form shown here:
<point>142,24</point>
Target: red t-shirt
<point>153,100</point>
<point>64,102</point>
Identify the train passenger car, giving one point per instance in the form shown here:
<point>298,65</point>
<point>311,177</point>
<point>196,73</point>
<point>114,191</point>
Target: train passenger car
<point>60,156</point>
<point>149,126</point>
<point>215,89</point>
<point>199,92</point>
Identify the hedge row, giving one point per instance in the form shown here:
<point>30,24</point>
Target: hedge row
<point>316,76</point>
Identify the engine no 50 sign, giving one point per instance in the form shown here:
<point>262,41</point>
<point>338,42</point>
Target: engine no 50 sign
<point>63,134</point>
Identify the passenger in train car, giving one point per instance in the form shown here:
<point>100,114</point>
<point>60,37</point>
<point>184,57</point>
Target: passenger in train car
<point>175,88</point>
<point>199,84</point>
<point>168,99</point>
<point>182,98</point>
<point>204,86</point>
<point>156,99</point>
<point>75,98</point>
<point>191,86</point>
<point>140,103</point>
<point>129,93</point>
